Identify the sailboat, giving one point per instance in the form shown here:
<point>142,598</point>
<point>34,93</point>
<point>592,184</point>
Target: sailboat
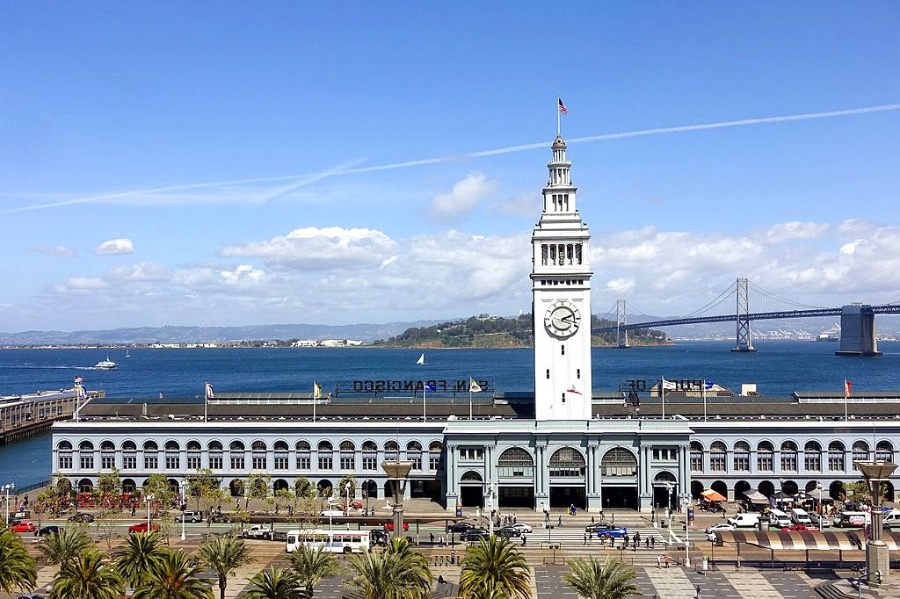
<point>127,354</point>
<point>421,359</point>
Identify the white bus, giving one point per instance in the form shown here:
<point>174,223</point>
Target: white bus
<point>334,541</point>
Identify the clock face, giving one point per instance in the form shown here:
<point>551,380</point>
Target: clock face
<point>562,319</point>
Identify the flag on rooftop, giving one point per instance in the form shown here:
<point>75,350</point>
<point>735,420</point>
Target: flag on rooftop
<point>317,391</point>
<point>473,386</point>
<point>429,387</point>
<point>79,380</point>
<point>562,107</point>
<point>209,391</point>
<point>848,387</point>
<point>572,389</point>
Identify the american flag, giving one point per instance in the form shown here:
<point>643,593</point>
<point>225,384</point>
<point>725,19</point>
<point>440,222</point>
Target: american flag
<point>562,107</point>
<point>79,380</point>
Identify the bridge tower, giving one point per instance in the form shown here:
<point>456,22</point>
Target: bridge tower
<point>743,342</point>
<point>621,322</point>
<point>858,331</point>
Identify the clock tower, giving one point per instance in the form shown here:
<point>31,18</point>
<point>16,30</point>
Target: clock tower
<point>561,300</point>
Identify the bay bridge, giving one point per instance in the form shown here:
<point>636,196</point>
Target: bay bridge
<point>857,320</point>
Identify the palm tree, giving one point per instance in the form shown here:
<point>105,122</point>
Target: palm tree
<point>277,583</point>
<point>142,551</point>
<point>224,554</point>
<point>61,547</point>
<point>397,573</point>
<point>174,577</point>
<point>494,565</point>
<point>593,579</point>
<point>17,569</point>
<point>86,576</point>
<point>314,565</point>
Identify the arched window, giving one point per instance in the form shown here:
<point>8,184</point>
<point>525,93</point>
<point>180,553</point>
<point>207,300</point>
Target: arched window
<point>172,456</point>
<point>151,456</point>
<point>414,454</point>
<point>194,455</point>
<point>107,455</point>
<point>884,451</point>
<point>129,455</point>
<point>515,462</point>
<point>391,450</point>
<point>303,455</point>
<point>348,456</point>
<point>742,456</point>
<point>764,453</point>
<point>860,451</point>
<point>369,455</point>
<point>566,461</point>
<point>326,452</point>
<point>281,456</point>
<point>435,456</point>
<point>618,462</point>
<point>836,456</point>
<point>216,451</point>
<point>717,459</point>
<point>696,457</point>
<point>789,456</point>
<point>236,452</point>
<point>64,455</point>
<point>258,455</point>
<point>812,456</point>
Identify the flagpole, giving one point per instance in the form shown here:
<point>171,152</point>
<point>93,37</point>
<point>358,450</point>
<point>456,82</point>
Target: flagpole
<point>470,399</point>
<point>206,402</point>
<point>704,400</point>
<point>557,117</point>
<point>662,385</point>
<point>846,394</point>
<point>424,395</point>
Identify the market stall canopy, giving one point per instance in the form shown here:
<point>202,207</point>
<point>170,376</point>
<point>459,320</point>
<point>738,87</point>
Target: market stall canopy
<point>807,539</point>
<point>756,497</point>
<point>713,495</point>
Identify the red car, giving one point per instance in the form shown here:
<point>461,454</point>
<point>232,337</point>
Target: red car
<point>795,528</point>
<point>142,527</point>
<point>390,526</point>
<point>22,526</point>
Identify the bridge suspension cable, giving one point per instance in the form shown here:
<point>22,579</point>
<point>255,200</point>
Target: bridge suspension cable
<point>773,296</point>
<point>715,302</point>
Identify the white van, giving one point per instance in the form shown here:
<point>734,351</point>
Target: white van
<point>891,519</point>
<point>852,519</point>
<point>799,516</point>
<point>779,518</point>
<point>746,520</point>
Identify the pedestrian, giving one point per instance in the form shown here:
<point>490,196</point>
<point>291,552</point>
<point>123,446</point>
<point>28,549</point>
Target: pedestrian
<point>723,513</point>
<point>559,522</point>
<point>647,543</point>
<point>585,538</point>
<point>524,540</point>
<point>653,542</point>
<point>592,519</point>
<point>658,561</point>
<point>431,537</point>
<point>666,560</point>
<point>515,519</point>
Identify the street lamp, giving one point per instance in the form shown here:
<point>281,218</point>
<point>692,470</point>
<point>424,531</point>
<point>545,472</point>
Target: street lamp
<point>490,487</point>
<point>149,500</point>
<point>7,488</point>
<point>819,489</point>
<point>183,485</point>
<point>398,473</point>
<point>878,560</point>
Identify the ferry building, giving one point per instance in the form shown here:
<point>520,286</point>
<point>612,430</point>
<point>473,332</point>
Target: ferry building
<point>559,445</point>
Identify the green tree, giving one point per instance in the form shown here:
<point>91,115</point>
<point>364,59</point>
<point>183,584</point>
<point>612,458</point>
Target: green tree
<point>59,548</point>
<point>306,496</point>
<point>86,576</point>
<point>494,564</point>
<point>347,487</point>
<point>312,566</point>
<point>203,488</point>
<point>397,573</point>
<point>258,484</point>
<point>109,484</point>
<point>609,579</point>
<point>158,485</point>
<point>17,569</point>
<point>224,555</point>
<point>277,583</point>
<point>174,577</point>
<point>142,551</point>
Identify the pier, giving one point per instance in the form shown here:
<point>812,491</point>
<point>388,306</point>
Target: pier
<point>25,415</point>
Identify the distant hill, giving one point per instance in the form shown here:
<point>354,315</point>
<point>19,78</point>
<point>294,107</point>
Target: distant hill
<point>496,331</point>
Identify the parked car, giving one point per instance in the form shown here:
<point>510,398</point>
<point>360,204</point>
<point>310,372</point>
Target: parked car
<point>722,526</point>
<point>795,528</point>
<point>745,520</point>
<point>459,527</point>
<point>81,517</point>
<point>49,530</point>
<point>257,531</point>
<point>22,526</point>
<point>508,531</point>
<point>613,532</point>
<point>332,513</point>
<point>389,526</point>
<point>378,537</point>
<point>189,517</point>
<point>594,528</point>
<point>142,527</point>
<point>474,534</point>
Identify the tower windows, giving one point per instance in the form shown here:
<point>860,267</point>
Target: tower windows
<point>562,350</point>
<point>548,374</point>
<point>563,397</point>
<point>577,373</point>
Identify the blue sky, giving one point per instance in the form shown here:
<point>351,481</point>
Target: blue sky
<point>178,163</point>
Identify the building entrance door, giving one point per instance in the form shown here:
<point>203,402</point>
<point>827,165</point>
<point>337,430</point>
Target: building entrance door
<point>620,497</point>
<point>515,496</point>
<point>568,496</point>
<point>471,496</point>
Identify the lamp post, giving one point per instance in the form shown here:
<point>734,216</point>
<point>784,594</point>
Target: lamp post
<point>183,485</point>
<point>878,561</point>
<point>490,487</point>
<point>398,473</point>
<point>6,488</point>
<point>149,499</point>
<point>819,489</point>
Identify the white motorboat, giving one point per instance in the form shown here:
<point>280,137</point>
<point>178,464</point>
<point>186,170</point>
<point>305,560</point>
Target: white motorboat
<point>106,364</point>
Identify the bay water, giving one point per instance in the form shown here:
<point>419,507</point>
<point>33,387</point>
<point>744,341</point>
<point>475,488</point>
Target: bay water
<point>777,368</point>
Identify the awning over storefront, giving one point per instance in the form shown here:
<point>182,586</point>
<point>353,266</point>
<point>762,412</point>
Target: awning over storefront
<point>756,497</point>
<point>713,495</point>
<point>806,540</point>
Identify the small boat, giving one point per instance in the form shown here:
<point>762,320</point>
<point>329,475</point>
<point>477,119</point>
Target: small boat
<point>127,354</point>
<point>421,359</point>
<point>106,364</point>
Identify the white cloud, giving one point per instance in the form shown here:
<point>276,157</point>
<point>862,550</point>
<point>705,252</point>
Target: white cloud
<point>115,247</point>
<point>465,197</point>
<point>80,285</point>
<point>60,251</point>
<point>315,249</point>
<point>142,272</point>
